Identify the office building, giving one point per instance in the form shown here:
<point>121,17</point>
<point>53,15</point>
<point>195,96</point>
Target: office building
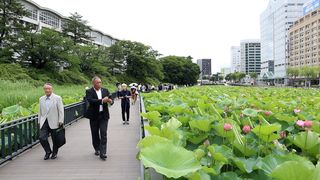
<point>235,59</point>
<point>304,38</point>
<point>42,17</point>
<point>250,56</point>
<point>275,22</point>
<point>205,67</point>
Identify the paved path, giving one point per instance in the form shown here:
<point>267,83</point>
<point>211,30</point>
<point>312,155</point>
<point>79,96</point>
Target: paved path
<point>76,160</point>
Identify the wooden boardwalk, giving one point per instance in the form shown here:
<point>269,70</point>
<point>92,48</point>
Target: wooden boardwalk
<point>76,160</point>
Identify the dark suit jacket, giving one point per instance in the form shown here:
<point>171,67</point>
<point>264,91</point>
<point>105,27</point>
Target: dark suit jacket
<point>94,104</point>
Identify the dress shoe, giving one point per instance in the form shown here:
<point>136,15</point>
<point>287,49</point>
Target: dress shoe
<point>97,153</point>
<point>54,156</point>
<point>47,156</point>
<point>103,157</point>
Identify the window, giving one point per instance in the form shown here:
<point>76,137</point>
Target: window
<point>49,19</point>
<point>33,14</point>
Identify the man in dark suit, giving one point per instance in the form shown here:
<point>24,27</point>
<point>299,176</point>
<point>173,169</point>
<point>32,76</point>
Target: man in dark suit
<point>98,113</point>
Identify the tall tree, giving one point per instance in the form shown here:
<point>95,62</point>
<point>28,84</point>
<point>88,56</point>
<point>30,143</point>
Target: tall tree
<point>47,49</point>
<point>11,11</point>
<point>116,58</point>
<point>139,61</point>
<point>93,60</point>
<point>254,76</point>
<point>293,72</point>
<point>308,73</point>
<point>77,28</point>
<point>180,70</point>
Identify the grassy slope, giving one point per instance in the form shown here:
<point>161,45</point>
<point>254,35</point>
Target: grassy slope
<point>26,94</point>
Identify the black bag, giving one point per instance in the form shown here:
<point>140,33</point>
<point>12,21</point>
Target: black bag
<point>59,137</point>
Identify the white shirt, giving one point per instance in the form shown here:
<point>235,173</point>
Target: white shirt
<point>99,94</point>
<point>48,102</point>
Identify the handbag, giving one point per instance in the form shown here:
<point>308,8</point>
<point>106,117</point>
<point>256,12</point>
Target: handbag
<point>59,136</point>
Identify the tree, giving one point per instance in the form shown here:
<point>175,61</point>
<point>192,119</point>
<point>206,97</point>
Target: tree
<point>77,28</point>
<point>116,58</point>
<point>180,70</point>
<point>241,76</point>
<point>47,49</point>
<point>308,73</point>
<point>254,76</point>
<point>293,72</point>
<point>93,60</point>
<point>11,11</point>
<point>317,70</point>
<point>228,77</point>
<point>138,60</point>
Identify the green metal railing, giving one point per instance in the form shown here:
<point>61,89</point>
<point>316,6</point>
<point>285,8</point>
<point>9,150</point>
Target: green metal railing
<point>22,134</point>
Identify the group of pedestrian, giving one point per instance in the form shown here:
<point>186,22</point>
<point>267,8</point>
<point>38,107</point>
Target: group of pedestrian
<point>125,95</point>
<point>51,116</point>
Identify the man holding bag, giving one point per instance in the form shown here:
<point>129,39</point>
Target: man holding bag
<point>51,118</point>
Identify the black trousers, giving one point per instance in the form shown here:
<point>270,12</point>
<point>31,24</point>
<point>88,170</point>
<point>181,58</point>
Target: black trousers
<point>99,133</point>
<point>125,109</point>
<point>44,134</point>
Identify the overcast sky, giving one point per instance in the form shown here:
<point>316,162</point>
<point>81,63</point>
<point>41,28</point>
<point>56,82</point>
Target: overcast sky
<point>199,28</point>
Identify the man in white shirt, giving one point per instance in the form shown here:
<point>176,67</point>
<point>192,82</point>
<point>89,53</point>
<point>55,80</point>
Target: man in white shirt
<point>98,113</point>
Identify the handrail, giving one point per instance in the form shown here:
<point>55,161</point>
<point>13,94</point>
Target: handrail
<point>19,135</point>
<point>142,134</point>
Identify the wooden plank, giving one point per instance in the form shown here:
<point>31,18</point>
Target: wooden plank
<point>76,160</point>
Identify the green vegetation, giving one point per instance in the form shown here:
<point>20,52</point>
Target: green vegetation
<point>30,57</point>
<point>306,73</point>
<point>71,58</point>
<point>21,98</point>
<point>233,133</point>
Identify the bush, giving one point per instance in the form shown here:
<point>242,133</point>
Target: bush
<point>70,77</point>
<point>14,72</point>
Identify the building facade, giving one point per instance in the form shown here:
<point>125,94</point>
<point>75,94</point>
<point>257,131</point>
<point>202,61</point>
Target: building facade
<point>235,59</point>
<point>250,56</point>
<point>275,22</point>
<point>305,40</point>
<point>205,67</point>
<point>41,17</point>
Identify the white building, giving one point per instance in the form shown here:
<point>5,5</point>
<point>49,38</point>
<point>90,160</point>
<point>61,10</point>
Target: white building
<point>275,22</point>
<point>250,56</point>
<point>44,17</point>
<point>235,59</point>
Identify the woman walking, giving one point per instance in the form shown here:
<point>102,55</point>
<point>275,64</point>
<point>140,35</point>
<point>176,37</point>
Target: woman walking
<point>125,96</point>
<point>134,94</point>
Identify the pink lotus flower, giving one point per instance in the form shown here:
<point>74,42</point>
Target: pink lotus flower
<point>267,113</point>
<point>283,134</point>
<point>296,111</point>
<point>308,123</point>
<point>227,127</point>
<point>246,129</point>
<point>300,123</point>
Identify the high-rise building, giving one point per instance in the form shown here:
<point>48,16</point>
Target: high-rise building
<point>235,59</point>
<point>304,38</point>
<point>205,67</point>
<point>41,17</point>
<point>275,22</point>
<point>250,56</point>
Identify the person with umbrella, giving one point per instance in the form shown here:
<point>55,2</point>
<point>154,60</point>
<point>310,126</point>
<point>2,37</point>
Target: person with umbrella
<point>125,96</point>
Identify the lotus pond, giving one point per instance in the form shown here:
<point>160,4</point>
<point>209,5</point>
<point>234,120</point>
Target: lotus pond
<point>202,133</point>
